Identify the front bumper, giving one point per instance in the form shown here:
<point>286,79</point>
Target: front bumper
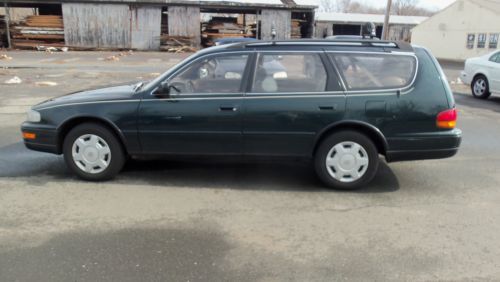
<point>46,139</point>
<point>465,78</point>
<point>428,146</point>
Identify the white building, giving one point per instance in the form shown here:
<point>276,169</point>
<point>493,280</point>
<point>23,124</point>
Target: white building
<point>465,29</point>
<point>328,24</point>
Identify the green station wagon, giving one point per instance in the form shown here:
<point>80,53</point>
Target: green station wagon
<point>338,103</point>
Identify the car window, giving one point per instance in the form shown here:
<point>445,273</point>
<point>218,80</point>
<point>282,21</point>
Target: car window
<point>285,73</point>
<point>216,74</point>
<point>375,71</point>
<point>495,58</point>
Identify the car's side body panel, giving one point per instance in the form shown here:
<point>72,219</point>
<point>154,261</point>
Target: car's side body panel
<point>119,115</point>
<point>262,124</point>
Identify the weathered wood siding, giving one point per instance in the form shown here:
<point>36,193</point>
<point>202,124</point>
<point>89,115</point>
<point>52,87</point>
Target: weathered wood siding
<point>323,29</point>
<point>112,26</point>
<point>145,27</point>
<point>185,21</point>
<point>279,19</point>
<point>98,26</point>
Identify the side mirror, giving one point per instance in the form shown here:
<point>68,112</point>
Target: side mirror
<point>163,90</point>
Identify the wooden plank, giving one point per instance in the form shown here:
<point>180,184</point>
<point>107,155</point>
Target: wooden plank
<point>145,27</point>
<point>279,19</point>
<point>185,21</point>
<point>97,25</point>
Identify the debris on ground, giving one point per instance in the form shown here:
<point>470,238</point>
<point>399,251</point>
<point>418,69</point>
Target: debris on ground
<point>154,74</point>
<point>14,80</point>
<point>177,44</point>
<point>117,56</point>
<point>50,49</point>
<point>180,49</point>
<point>112,58</point>
<point>5,57</point>
<point>46,83</point>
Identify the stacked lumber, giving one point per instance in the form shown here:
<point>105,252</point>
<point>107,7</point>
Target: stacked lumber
<point>221,27</point>
<point>38,30</point>
<point>296,32</point>
<point>177,44</point>
<point>44,21</point>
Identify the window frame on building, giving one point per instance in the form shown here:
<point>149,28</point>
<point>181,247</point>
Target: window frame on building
<point>493,40</point>
<point>481,40</point>
<point>471,40</point>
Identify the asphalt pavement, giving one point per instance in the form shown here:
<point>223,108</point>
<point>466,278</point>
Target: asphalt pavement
<point>196,221</point>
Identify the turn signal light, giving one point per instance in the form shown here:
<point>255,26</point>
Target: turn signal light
<point>28,135</point>
<point>447,119</point>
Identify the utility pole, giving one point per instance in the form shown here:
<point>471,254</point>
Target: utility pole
<point>385,29</point>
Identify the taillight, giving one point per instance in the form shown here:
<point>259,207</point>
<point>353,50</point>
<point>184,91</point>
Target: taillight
<point>447,119</point>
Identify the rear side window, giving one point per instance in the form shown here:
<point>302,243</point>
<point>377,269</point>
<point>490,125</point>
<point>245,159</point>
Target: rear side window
<point>495,58</point>
<point>285,73</point>
<point>362,71</point>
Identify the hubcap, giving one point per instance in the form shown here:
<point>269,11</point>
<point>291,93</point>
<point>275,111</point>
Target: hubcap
<point>91,153</point>
<point>347,162</point>
<point>479,87</point>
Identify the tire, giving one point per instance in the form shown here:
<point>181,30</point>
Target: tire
<point>480,87</point>
<point>341,149</point>
<point>93,152</point>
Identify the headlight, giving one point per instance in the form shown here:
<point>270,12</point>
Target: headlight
<point>34,116</point>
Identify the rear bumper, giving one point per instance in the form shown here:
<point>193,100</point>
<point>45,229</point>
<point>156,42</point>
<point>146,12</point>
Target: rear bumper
<point>429,146</point>
<point>46,138</point>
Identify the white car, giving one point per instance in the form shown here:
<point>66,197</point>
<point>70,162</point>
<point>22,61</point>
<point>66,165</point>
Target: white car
<point>483,75</point>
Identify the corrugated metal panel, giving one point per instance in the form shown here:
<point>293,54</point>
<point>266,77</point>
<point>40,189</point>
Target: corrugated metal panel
<point>98,26</point>
<point>364,18</point>
<point>185,21</point>
<point>277,19</point>
<point>145,27</point>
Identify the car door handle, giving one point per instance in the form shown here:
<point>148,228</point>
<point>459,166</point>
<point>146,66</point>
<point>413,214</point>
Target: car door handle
<point>327,108</point>
<point>173,118</point>
<point>228,109</point>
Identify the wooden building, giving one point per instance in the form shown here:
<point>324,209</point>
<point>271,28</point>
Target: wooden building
<point>140,24</point>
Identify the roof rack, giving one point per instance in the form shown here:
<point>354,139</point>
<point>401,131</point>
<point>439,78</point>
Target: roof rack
<point>402,46</point>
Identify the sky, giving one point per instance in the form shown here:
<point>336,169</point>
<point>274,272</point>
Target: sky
<point>429,4</point>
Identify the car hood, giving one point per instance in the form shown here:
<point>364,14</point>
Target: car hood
<point>110,93</point>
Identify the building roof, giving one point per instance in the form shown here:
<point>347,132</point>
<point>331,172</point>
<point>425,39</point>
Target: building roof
<point>374,18</point>
<point>493,5</point>
<point>279,4</point>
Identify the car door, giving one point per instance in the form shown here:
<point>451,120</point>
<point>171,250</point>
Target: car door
<point>293,96</point>
<point>202,113</point>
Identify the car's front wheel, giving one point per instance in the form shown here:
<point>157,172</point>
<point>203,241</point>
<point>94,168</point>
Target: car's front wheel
<point>93,152</point>
<point>480,87</point>
<point>346,160</point>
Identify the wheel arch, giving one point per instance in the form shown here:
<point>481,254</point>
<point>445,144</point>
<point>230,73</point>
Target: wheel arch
<point>477,74</point>
<point>369,130</point>
<point>67,125</point>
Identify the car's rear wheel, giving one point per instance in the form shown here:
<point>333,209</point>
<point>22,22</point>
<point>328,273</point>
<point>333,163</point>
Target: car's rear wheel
<point>93,152</point>
<point>346,160</point>
<point>480,87</point>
